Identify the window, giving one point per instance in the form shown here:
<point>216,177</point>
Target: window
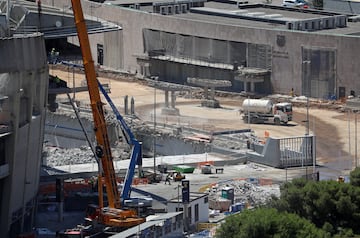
<point>196,212</point>
<point>100,54</point>
<point>206,199</point>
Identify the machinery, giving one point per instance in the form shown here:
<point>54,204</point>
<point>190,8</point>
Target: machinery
<point>261,111</point>
<point>176,176</point>
<point>136,157</point>
<point>206,169</point>
<point>112,215</point>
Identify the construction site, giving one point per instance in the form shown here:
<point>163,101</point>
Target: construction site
<point>89,150</point>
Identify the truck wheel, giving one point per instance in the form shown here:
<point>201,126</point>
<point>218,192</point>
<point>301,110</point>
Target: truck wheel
<point>277,121</point>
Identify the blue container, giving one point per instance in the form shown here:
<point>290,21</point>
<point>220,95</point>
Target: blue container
<point>234,208</point>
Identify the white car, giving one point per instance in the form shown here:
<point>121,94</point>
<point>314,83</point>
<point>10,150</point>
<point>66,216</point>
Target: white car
<point>295,3</point>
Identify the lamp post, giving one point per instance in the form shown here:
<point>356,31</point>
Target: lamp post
<point>307,132</point>
<point>356,160</point>
<point>349,137</point>
<point>155,78</point>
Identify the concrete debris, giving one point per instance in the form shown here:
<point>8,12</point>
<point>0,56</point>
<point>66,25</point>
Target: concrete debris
<point>248,192</point>
<point>59,156</point>
<point>55,156</point>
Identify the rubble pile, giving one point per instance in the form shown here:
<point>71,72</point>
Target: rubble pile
<point>247,192</point>
<point>56,156</point>
<point>236,142</point>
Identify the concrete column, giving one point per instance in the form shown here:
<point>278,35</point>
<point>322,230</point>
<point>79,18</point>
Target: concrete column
<point>142,68</point>
<point>206,93</point>
<point>166,98</point>
<point>126,109</point>
<point>147,70</point>
<point>228,50</point>
<point>132,107</point>
<point>186,217</point>
<point>173,99</point>
<point>212,93</point>
<point>61,211</point>
<point>27,156</point>
<point>252,87</point>
<point>210,55</point>
<point>245,86</point>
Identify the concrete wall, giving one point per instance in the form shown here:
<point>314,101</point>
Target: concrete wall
<point>285,152</point>
<point>287,60</point>
<point>114,56</point>
<point>24,80</point>
<point>65,131</point>
<point>169,145</point>
<point>203,209</point>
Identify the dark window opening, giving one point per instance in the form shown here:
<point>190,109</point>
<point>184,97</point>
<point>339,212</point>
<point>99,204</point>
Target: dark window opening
<point>196,212</point>
<point>100,54</point>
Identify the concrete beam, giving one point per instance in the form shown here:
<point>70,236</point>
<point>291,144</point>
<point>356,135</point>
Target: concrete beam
<point>167,86</point>
<point>250,75</point>
<point>209,101</point>
<point>213,83</point>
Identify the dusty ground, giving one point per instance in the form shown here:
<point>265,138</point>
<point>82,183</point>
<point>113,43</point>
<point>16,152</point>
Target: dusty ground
<point>334,129</point>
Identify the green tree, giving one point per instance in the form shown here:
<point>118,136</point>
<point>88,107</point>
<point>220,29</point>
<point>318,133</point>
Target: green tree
<point>355,177</point>
<point>266,223</point>
<point>330,205</point>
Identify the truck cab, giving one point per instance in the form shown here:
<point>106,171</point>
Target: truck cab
<point>284,110</point>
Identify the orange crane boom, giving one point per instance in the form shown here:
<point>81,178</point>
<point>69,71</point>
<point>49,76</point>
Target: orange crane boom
<point>111,216</point>
<point>103,149</point>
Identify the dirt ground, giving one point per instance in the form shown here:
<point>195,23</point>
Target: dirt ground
<point>335,130</point>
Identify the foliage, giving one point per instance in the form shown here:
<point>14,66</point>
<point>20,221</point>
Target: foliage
<point>355,177</point>
<point>268,222</point>
<point>332,206</point>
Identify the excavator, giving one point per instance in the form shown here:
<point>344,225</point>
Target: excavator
<point>112,216</point>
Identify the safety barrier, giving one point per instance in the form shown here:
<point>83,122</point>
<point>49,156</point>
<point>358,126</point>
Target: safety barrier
<point>205,226</point>
<point>140,181</point>
<point>265,182</point>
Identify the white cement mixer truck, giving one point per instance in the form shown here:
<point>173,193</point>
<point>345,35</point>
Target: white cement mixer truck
<point>264,110</point>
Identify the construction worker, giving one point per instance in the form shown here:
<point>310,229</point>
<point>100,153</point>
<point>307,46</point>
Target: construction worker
<point>292,94</point>
<point>53,56</point>
<point>168,179</point>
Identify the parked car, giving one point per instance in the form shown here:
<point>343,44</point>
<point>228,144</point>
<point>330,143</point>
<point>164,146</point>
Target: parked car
<point>295,3</point>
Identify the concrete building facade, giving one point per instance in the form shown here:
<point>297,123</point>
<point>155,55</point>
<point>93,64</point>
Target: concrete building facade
<point>23,93</point>
<point>312,53</point>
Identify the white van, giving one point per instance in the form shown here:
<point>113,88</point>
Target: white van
<point>295,3</point>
